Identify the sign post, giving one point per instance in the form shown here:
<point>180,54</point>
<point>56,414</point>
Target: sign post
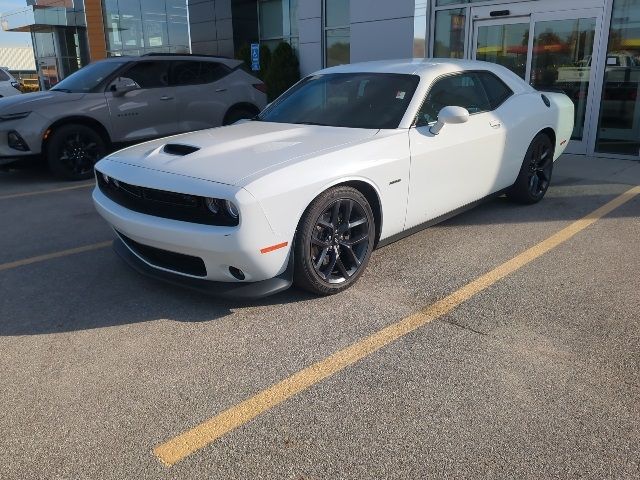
<point>255,57</point>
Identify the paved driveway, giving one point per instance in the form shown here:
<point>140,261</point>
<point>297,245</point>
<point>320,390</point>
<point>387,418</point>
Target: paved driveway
<point>535,375</point>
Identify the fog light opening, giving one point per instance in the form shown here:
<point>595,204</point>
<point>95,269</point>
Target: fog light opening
<point>15,141</point>
<point>237,273</point>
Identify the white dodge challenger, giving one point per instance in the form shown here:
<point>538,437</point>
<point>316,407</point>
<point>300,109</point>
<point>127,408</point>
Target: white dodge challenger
<point>350,158</point>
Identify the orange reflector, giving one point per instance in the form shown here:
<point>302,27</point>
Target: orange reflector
<point>274,247</point>
<point>563,142</point>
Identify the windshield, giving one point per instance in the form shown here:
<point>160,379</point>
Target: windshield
<point>88,78</point>
<point>355,100</point>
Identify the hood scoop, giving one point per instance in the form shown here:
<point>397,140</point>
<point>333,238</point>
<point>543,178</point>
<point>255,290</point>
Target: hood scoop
<point>179,150</point>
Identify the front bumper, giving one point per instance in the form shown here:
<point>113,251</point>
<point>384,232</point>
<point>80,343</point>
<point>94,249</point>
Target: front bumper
<point>237,290</point>
<point>30,131</point>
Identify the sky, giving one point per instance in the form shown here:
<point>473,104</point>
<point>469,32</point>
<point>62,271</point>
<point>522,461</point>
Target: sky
<point>13,39</point>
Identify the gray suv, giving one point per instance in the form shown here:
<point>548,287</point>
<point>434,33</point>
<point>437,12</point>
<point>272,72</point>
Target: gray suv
<point>125,100</point>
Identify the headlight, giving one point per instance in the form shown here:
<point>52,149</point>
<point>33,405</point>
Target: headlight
<point>223,209</point>
<point>231,209</point>
<point>213,204</point>
<point>105,177</point>
<point>14,116</point>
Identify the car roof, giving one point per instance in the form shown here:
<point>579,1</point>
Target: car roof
<point>430,68</point>
<point>158,56</point>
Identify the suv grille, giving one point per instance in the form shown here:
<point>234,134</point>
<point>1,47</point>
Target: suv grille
<point>176,262</point>
<point>161,203</point>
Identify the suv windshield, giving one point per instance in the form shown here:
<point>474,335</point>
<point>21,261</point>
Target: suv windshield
<point>355,100</point>
<point>88,78</point>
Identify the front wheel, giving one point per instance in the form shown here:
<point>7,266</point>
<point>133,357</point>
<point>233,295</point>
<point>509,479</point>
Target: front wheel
<point>73,150</point>
<point>334,241</point>
<point>535,174</point>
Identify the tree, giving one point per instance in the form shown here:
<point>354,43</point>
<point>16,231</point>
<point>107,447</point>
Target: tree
<point>283,70</point>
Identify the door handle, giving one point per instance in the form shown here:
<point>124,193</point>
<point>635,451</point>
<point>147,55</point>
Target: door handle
<point>495,124</point>
<point>221,90</point>
<point>166,97</point>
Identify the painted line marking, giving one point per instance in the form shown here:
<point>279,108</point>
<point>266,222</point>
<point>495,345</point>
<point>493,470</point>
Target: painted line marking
<point>42,192</point>
<point>50,256</point>
<point>274,247</point>
<point>189,442</point>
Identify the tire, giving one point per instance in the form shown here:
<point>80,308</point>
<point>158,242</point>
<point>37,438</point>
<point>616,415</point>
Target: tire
<point>238,113</point>
<point>73,150</point>
<point>535,174</point>
<point>331,253</point>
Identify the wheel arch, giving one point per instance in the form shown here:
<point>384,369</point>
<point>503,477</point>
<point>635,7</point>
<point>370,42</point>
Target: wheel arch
<point>369,191</point>
<point>550,132</point>
<point>240,106</point>
<point>82,120</point>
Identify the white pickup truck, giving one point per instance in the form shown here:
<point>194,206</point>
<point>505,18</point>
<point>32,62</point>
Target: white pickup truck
<point>582,71</point>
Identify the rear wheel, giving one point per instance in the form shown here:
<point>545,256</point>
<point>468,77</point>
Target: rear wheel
<point>238,113</point>
<point>334,241</point>
<point>73,150</point>
<point>535,174</point>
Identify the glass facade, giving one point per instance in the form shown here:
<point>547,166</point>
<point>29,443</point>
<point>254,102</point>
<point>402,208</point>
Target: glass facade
<point>555,46</point>
<point>337,32</point>
<point>619,127</point>
<point>58,33</point>
<point>450,33</point>
<point>278,20</point>
<point>136,27</point>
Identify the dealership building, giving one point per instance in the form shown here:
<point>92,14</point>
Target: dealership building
<point>590,49</point>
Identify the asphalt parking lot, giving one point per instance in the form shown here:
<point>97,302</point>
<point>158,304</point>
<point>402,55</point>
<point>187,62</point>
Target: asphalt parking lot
<point>535,376</point>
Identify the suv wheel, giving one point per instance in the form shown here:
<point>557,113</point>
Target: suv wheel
<point>73,150</point>
<point>238,113</point>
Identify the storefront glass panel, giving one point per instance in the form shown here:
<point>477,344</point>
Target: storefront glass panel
<point>337,40</point>
<point>504,44</point>
<point>619,127</point>
<point>450,33</point>
<point>561,60</point>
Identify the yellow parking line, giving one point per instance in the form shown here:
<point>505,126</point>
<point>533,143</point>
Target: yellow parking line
<point>42,192</point>
<point>200,436</point>
<point>50,256</point>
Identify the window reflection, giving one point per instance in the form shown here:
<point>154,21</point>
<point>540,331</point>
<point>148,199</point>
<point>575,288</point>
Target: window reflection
<point>562,53</point>
<point>337,32</point>
<point>505,45</point>
<point>449,34</point>
<point>135,27</point>
<point>619,129</point>
<point>278,21</point>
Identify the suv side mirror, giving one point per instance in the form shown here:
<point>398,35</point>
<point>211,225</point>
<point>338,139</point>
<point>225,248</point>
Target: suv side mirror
<point>450,115</point>
<point>122,86</point>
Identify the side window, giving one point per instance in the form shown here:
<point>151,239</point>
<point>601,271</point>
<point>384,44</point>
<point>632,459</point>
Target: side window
<point>497,91</point>
<point>3,76</point>
<point>459,90</point>
<point>149,74</point>
<point>188,72</point>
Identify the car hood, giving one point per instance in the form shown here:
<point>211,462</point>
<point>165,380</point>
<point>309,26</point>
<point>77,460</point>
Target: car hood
<point>30,101</point>
<point>230,154</point>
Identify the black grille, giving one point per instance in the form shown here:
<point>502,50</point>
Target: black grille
<point>161,203</point>
<point>173,261</point>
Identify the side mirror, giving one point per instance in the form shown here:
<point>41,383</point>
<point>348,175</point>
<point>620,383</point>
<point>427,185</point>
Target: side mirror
<point>122,86</point>
<point>450,115</point>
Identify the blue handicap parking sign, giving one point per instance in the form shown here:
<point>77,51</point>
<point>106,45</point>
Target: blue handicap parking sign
<point>255,56</point>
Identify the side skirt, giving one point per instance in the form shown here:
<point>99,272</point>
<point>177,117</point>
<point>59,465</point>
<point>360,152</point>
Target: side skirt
<point>440,219</point>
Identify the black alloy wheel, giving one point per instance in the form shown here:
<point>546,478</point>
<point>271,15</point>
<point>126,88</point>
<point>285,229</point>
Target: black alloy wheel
<point>334,242</point>
<point>73,150</point>
<point>535,175</point>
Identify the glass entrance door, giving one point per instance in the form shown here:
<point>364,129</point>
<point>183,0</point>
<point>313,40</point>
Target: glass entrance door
<point>551,51</point>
